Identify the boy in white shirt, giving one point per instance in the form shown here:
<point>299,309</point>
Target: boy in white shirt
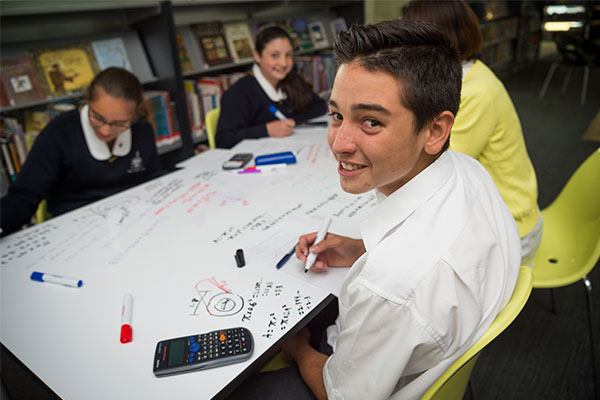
<point>439,256</point>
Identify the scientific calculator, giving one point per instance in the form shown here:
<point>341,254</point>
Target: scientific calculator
<point>203,351</point>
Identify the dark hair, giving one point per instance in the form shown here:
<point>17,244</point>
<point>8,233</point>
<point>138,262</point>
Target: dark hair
<point>298,91</point>
<point>417,54</point>
<point>118,83</point>
<point>455,18</point>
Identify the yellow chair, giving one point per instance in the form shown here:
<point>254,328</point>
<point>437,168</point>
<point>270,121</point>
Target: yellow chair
<point>42,214</point>
<point>211,120</point>
<point>453,383</point>
<point>570,246</point>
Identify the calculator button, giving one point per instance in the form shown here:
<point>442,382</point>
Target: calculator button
<point>194,347</point>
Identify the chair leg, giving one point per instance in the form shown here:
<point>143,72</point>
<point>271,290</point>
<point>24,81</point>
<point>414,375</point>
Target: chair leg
<point>563,89</point>
<point>588,292</point>
<point>586,78</point>
<point>547,80</point>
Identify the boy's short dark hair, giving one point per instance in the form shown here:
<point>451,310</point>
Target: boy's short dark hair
<point>417,54</point>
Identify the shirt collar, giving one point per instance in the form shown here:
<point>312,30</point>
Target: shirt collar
<point>99,149</point>
<point>466,66</point>
<point>395,208</point>
<point>274,94</point>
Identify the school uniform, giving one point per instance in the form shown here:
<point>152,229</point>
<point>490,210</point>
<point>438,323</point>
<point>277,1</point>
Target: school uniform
<point>442,258</point>
<point>70,167</point>
<point>245,109</point>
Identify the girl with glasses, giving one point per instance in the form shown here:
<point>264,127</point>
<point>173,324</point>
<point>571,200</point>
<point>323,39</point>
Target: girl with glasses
<point>85,155</point>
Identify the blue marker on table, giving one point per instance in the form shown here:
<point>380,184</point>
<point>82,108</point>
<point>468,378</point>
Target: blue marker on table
<point>285,258</point>
<point>56,279</point>
<point>277,113</point>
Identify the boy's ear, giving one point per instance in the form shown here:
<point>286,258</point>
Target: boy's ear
<point>439,131</point>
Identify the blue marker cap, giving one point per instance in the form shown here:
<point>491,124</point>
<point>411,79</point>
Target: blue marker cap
<point>37,276</point>
<point>272,109</point>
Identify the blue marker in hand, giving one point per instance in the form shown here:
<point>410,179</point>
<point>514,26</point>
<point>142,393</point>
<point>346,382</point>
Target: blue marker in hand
<point>277,113</point>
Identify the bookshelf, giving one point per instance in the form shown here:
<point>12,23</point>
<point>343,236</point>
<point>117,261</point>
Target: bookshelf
<point>149,29</point>
<point>511,33</point>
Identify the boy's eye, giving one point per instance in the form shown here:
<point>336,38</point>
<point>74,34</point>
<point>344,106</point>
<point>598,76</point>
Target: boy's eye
<point>371,123</point>
<point>335,116</point>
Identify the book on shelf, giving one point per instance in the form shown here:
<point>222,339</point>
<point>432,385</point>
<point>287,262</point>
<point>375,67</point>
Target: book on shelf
<point>192,48</point>
<point>211,39</point>
<point>159,113</point>
<point>184,57</point>
<point>239,39</point>
<point>194,109</point>
<point>65,69</point>
<point>300,26</point>
<point>318,34</point>
<point>337,25</point>
<point>111,53</point>
<point>19,81</point>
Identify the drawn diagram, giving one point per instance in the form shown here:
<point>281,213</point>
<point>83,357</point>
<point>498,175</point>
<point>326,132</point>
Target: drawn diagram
<point>215,299</point>
<point>115,209</point>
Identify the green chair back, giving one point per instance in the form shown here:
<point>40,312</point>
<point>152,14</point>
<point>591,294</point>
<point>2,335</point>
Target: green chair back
<point>453,383</point>
<point>211,120</point>
<point>570,245</point>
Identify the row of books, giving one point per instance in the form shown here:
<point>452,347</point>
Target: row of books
<point>160,113</point>
<point>319,70</point>
<point>55,71</point>
<point>204,95</point>
<point>15,146</point>
<point>209,44</point>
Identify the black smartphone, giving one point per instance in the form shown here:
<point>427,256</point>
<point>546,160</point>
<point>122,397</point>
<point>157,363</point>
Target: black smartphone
<point>238,161</point>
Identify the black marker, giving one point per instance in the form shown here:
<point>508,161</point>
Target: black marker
<point>239,258</point>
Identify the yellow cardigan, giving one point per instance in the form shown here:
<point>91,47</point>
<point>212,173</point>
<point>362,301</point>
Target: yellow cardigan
<point>487,128</point>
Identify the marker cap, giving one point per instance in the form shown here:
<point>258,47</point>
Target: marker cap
<point>37,276</point>
<point>126,333</point>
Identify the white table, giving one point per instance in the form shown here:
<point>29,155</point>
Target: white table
<point>171,244</point>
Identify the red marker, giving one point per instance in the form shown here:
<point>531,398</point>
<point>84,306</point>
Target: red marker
<point>126,330</point>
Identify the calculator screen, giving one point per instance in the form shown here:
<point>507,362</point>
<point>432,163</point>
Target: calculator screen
<point>176,352</point>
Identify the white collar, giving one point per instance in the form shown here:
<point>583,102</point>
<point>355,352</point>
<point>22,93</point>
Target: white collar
<point>405,200</point>
<point>99,149</point>
<point>274,94</point>
<point>466,66</point>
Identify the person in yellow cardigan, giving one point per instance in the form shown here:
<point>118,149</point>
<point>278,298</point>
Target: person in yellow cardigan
<point>487,126</point>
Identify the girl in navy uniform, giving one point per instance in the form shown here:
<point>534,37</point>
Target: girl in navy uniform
<point>85,155</point>
<point>271,82</point>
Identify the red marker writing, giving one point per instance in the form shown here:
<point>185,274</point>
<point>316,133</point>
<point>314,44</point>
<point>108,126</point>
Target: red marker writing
<point>126,330</point>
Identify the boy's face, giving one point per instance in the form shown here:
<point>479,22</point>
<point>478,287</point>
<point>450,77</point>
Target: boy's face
<point>371,134</point>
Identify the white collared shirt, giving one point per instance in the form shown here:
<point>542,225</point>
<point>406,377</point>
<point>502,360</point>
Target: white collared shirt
<point>99,149</point>
<point>275,95</point>
<point>442,259</point>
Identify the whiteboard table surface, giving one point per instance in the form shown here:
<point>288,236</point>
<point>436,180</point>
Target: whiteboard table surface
<point>170,243</point>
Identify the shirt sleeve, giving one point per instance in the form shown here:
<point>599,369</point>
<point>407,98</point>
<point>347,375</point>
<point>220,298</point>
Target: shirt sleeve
<point>317,107</point>
<point>235,120</point>
<point>154,168</point>
<point>38,176</point>
<point>475,122</point>
<point>370,339</point>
